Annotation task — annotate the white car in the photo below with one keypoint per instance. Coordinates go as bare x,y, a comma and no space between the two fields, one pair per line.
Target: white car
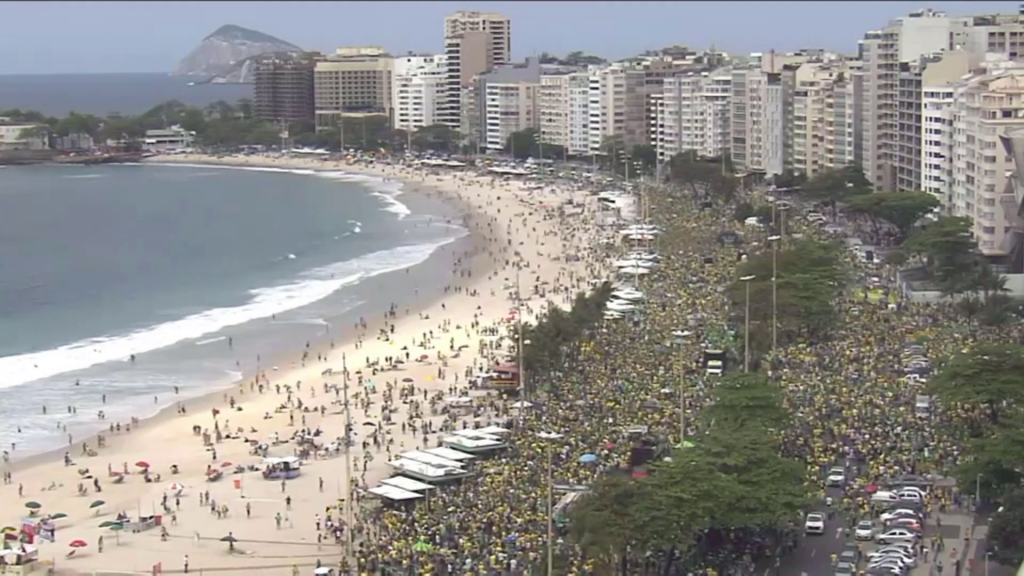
903,556
896,535
884,496
920,491
905,549
910,496
714,368
752,222
836,476
865,530
814,523
900,513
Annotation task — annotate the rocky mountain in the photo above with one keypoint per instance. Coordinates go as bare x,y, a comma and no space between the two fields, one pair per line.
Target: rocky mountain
223,56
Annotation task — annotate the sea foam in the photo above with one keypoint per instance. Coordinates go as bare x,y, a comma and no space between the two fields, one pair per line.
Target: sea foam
311,286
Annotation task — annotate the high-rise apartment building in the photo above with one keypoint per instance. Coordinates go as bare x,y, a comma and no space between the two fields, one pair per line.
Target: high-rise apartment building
352,81
564,121
695,111
757,117
417,86
474,43
283,89
617,106
987,107
498,27
505,100
820,130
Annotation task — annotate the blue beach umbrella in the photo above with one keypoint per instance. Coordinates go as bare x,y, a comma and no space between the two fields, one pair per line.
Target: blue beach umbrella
588,459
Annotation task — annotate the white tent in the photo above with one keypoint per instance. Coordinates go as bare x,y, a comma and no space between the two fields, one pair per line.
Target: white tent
449,454
406,484
431,459
394,494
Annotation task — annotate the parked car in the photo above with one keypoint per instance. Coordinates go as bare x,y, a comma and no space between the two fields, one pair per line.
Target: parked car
865,530
896,535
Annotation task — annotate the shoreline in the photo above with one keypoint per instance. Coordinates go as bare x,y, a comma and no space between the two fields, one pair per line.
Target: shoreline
512,228
287,360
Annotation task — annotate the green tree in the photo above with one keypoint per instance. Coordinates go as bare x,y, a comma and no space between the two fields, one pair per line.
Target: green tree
703,177
810,275
994,460
523,144
988,376
836,185
746,399
436,138
901,209
1006,532
646,155
949,252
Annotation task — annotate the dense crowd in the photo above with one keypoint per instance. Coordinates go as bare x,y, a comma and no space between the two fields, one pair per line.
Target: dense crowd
852,404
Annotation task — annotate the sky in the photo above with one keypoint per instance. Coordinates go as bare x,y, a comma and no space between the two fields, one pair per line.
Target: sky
111,37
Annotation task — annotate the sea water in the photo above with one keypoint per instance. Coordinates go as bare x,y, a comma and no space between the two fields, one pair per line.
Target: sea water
202,273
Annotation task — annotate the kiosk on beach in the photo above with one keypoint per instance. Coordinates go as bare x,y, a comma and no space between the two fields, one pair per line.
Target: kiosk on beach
426,472
474,445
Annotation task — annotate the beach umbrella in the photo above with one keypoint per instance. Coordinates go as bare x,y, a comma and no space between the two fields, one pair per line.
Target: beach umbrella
407,380
8,529
116,529
58,516
97,504
142,464
229,538
108,523
33,505
588,458
226,464
78,544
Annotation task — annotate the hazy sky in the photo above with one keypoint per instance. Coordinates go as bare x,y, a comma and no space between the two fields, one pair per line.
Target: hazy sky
91,37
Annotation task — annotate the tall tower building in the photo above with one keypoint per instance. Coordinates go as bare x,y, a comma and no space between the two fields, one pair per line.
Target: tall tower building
474,43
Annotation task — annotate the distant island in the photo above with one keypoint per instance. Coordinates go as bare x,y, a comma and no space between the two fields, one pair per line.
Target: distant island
229,55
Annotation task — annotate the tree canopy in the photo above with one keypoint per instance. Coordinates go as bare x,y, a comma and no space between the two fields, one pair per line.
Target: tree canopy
836,185
810,275
988,376
733,477
901,209
704,177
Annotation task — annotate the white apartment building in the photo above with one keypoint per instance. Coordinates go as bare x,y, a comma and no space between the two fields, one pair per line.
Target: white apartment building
563,111
938,91
616,106
509,107
986,107
417,86
822,133
757,121
695,115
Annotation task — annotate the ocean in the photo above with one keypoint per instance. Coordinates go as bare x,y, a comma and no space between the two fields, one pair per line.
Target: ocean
101,94
203,273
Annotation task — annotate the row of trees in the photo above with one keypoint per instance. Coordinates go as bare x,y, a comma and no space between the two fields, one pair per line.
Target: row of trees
984,388
225,125
557,333
733,480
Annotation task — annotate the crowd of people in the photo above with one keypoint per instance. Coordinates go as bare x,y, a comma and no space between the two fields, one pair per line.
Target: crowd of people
852,405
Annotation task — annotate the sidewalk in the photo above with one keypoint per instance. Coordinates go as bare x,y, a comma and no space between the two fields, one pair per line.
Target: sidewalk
956,526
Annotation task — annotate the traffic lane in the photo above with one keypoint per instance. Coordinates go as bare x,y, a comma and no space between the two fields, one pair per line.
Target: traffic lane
813,553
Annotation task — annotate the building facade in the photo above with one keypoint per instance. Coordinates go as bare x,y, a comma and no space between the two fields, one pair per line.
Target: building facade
986,108
417,87
616,106
16,135
820,134
283,89
757,120
352,81
695,114
474,42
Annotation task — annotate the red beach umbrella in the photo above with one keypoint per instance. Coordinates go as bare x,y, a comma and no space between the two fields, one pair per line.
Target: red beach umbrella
142,464
78,544
226,464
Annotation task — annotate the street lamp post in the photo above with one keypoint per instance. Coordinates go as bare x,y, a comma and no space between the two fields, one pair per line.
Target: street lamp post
746,325
679,339
775,289
550,436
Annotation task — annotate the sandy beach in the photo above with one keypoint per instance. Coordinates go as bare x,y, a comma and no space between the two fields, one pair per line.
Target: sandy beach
393,407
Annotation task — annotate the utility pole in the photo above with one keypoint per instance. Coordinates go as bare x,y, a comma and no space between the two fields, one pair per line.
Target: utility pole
746,325
523,393
364,133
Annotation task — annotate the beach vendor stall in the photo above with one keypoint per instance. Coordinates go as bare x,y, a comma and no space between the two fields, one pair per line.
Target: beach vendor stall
17,559
281,468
